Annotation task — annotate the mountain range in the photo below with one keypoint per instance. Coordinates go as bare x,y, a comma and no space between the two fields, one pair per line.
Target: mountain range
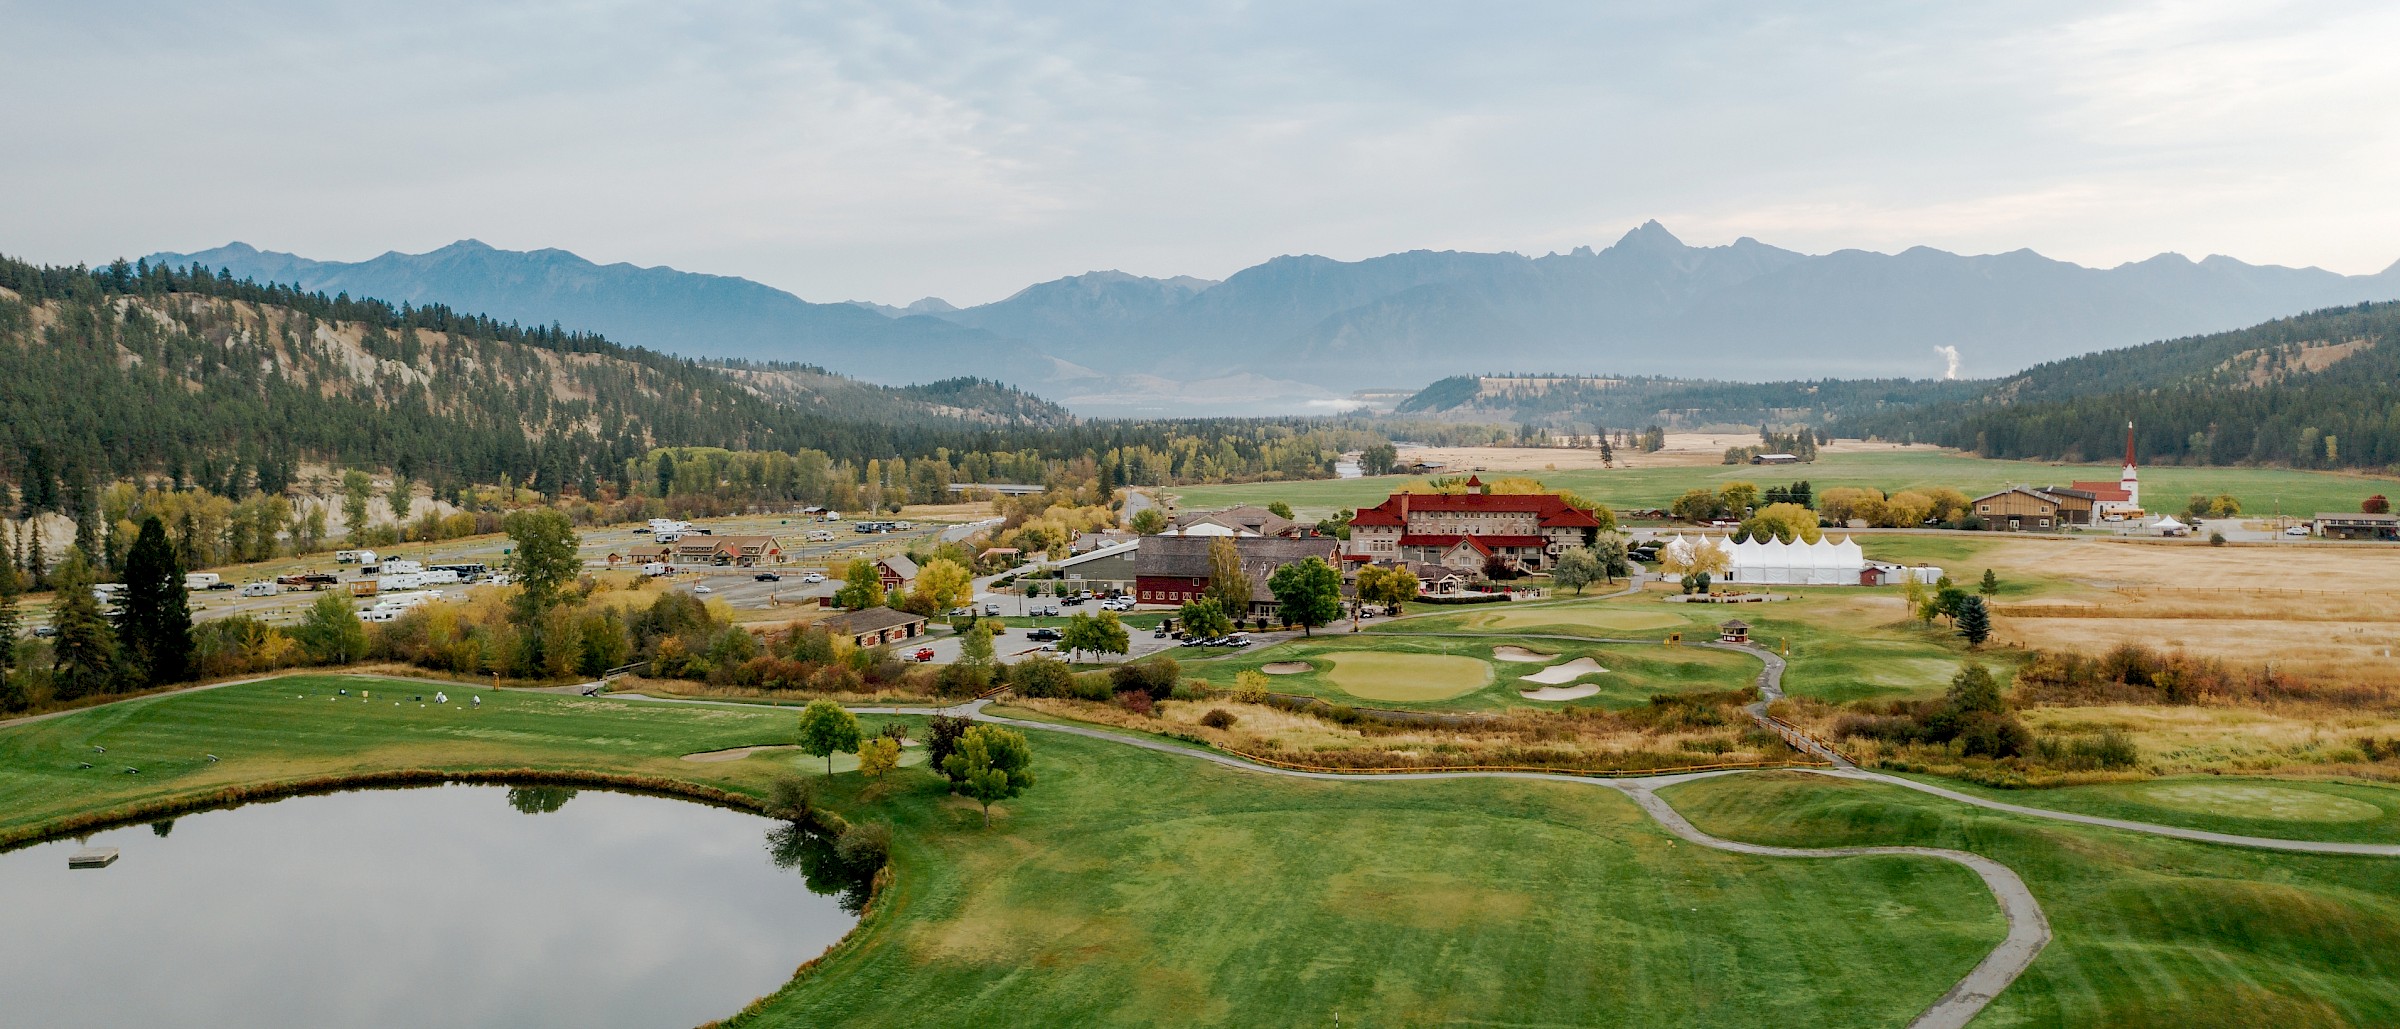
1298,332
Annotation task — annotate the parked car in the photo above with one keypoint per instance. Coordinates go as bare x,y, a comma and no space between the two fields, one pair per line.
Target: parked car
702,589
813,577
768,577
923,654
991,610
44,632
1119,604
1041,635
1074,601
2297,530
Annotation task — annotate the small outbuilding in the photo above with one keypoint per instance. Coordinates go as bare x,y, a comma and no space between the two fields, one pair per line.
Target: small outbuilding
1734,630
876,626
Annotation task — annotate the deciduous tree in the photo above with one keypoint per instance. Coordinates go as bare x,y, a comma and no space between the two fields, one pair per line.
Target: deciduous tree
862,587
1308,593
826,730
992,764
1202,618
542,558
1228,583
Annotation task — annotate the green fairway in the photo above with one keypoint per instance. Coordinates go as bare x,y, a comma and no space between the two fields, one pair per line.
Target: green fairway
1840,643
2148,931
1471,678
2310,809
1386,676
2261,490
1132,888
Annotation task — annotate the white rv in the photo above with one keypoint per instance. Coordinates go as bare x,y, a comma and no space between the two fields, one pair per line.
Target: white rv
200,580
354,557
260,589
401,566
655,569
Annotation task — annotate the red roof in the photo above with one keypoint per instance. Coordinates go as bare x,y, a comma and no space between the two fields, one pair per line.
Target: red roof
1443,539
1553,511
2103,491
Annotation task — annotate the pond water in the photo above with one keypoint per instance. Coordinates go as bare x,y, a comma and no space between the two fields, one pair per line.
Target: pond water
441,906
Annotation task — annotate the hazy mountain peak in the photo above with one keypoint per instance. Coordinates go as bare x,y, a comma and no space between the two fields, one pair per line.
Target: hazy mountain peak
1650,236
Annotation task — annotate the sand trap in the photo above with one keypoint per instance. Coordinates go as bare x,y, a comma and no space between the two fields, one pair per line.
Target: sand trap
1560,692
1568,672
1287,668
1521,654
736,754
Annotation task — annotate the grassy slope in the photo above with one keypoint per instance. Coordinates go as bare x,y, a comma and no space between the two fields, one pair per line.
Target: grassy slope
2149,932
1634,672
2127,800
2300,492
1134,888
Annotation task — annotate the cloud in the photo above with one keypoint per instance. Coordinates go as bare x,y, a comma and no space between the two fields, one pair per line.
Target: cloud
899,149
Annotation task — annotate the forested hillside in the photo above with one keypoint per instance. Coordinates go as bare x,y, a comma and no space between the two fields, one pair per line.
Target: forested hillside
184,377
1582,403
2318,390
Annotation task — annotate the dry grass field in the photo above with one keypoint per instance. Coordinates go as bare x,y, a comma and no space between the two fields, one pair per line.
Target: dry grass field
1683,450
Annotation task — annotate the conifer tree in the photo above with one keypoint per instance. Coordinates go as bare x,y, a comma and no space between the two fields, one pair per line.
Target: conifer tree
155,624
84,653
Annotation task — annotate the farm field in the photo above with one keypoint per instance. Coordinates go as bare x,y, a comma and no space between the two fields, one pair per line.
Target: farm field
2147,931
1108,894
1396,671
2262,491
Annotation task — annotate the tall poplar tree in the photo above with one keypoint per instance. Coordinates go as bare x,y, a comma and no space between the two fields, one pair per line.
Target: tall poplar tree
155,624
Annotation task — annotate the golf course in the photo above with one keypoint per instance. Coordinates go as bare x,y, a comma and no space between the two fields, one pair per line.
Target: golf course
1137,886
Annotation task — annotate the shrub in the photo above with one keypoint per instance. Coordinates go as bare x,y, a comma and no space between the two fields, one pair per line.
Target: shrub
1250,686
789,798
864,844
1042,677
1155,675
1218,718
1136,701
1995,736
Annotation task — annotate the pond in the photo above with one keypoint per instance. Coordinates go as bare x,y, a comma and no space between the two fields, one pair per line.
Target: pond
439,906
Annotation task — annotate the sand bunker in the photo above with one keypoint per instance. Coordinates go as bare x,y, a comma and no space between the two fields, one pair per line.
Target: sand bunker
736,754
1286,668
1560,692
1568,672
1521,654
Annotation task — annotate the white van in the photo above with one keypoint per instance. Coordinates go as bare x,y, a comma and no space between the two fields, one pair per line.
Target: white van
260,589
200,580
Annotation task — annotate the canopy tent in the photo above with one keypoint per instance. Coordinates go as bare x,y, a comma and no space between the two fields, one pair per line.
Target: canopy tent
2166,525
1773,562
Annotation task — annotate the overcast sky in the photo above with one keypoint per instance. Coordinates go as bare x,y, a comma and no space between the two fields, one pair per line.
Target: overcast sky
893,149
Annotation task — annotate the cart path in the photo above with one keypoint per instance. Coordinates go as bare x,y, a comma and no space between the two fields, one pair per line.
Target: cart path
2028,930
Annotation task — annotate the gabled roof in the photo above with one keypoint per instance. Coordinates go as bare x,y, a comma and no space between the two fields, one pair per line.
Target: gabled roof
1552,510
900,565
1186,557
873,619
2105,492
1446,540
2027,490
1247,517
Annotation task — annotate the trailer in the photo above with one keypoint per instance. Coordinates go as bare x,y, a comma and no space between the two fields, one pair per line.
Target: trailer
201,580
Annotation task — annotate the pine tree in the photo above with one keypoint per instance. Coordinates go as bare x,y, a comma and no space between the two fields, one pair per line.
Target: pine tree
84,653
12,693
155,624
1990,586
1974,621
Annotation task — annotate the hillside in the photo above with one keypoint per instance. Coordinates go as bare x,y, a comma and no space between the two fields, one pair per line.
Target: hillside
1307,329
1583,403
2318,390
126,372
678,312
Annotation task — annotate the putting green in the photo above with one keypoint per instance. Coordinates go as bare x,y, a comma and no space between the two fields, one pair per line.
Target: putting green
2238,800
1381,675
1616,618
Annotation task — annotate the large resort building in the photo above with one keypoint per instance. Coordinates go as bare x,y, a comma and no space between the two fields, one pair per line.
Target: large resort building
1465,530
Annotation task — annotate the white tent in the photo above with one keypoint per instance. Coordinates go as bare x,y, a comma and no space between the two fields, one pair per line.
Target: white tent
2166,525
1773,562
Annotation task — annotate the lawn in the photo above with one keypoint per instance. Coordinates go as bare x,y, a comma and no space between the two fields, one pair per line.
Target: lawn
2312,809
1132,888
1422,672
2261,490
1840,643
2148,931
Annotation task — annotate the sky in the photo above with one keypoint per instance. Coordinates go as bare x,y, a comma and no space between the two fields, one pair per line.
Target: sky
896,149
